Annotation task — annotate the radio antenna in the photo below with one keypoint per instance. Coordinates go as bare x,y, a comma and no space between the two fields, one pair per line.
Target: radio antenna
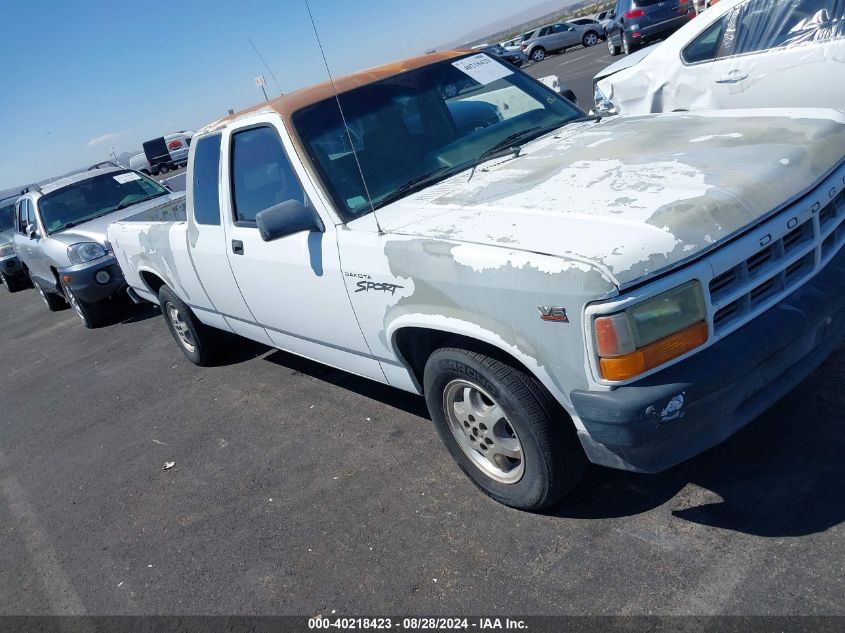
343,118
261,57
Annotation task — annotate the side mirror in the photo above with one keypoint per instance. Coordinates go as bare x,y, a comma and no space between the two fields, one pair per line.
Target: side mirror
287,218
31,231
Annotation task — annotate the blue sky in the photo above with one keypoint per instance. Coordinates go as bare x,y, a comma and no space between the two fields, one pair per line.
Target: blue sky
78,76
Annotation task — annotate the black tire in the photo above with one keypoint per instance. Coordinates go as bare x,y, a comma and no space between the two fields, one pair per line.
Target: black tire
15,282
551,455
199,344
538,54
55,302
592,37
612,48
92,315
628,46
163,169
8,282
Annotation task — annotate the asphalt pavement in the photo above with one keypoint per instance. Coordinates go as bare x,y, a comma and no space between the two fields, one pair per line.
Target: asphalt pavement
575,68
299,489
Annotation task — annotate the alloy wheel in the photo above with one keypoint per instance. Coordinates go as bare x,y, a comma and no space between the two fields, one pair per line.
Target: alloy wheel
183,333
483,432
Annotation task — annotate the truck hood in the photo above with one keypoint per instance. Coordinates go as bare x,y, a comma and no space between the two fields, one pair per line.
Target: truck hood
95,230
626,62
633,196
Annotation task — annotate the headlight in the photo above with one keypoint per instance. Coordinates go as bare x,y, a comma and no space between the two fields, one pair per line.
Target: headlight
6,250
649,334
85,252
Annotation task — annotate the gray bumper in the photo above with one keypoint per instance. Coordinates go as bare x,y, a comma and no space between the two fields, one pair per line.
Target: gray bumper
675,414
82,279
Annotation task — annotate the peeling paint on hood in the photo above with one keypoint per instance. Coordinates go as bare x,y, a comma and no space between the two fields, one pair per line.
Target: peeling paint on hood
656,192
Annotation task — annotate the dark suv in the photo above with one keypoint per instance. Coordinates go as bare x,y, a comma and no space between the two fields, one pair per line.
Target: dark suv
635,22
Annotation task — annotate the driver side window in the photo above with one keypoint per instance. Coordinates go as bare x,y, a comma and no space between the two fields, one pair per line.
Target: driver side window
262,176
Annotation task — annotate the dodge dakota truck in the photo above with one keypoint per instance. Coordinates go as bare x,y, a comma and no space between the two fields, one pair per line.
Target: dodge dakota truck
627,291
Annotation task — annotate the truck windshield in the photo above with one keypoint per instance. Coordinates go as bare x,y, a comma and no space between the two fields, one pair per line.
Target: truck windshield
422,125
7,216
95,197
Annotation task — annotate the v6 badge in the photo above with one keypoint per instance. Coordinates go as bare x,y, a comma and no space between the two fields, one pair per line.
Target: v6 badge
553,313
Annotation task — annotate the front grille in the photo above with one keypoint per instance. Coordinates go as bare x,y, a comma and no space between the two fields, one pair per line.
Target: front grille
743,289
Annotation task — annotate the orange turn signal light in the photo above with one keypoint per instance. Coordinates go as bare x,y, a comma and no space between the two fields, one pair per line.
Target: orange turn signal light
654,354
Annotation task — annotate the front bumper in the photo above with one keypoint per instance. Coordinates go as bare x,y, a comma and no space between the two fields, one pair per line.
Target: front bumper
81,279
664,419
10,265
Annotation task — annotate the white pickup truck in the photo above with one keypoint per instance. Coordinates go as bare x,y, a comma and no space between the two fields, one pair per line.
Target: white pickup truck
628,291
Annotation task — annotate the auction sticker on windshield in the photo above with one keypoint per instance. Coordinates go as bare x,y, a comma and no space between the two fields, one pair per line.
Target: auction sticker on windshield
127,177
482,68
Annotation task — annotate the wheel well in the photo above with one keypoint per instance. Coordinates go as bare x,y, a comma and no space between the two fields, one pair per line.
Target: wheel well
56,277
152,281
416,344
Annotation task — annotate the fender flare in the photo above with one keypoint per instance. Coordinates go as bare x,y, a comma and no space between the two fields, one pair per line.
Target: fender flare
452,325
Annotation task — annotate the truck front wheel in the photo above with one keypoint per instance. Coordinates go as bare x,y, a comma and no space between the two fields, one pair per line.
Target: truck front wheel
194,338
502,429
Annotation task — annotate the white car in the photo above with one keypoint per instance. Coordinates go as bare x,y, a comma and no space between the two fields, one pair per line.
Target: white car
737,54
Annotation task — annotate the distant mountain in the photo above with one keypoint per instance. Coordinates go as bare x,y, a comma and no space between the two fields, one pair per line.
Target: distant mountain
546,11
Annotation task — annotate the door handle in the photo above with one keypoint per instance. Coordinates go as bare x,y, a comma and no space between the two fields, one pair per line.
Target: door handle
732,77
237,247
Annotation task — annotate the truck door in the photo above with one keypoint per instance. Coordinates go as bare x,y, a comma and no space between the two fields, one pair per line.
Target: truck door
293,285
207,238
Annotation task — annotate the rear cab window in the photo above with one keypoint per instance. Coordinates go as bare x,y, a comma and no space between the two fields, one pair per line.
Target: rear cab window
206,180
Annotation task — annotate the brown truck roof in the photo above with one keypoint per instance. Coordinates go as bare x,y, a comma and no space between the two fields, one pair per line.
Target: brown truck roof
287,104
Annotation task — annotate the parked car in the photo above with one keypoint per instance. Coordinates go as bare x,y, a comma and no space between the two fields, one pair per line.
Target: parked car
591,23
603,19
629,291
556,38
60,236
163,154
633,23
11,273
738,54
517,58
513,45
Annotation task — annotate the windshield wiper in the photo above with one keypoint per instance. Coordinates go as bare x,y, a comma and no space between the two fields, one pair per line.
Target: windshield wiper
422,181
69,225
123,205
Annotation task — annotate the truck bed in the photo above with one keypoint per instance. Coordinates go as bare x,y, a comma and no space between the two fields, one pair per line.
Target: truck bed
153,244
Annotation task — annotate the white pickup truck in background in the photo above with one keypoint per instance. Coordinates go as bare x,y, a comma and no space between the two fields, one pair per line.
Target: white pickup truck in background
628,291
